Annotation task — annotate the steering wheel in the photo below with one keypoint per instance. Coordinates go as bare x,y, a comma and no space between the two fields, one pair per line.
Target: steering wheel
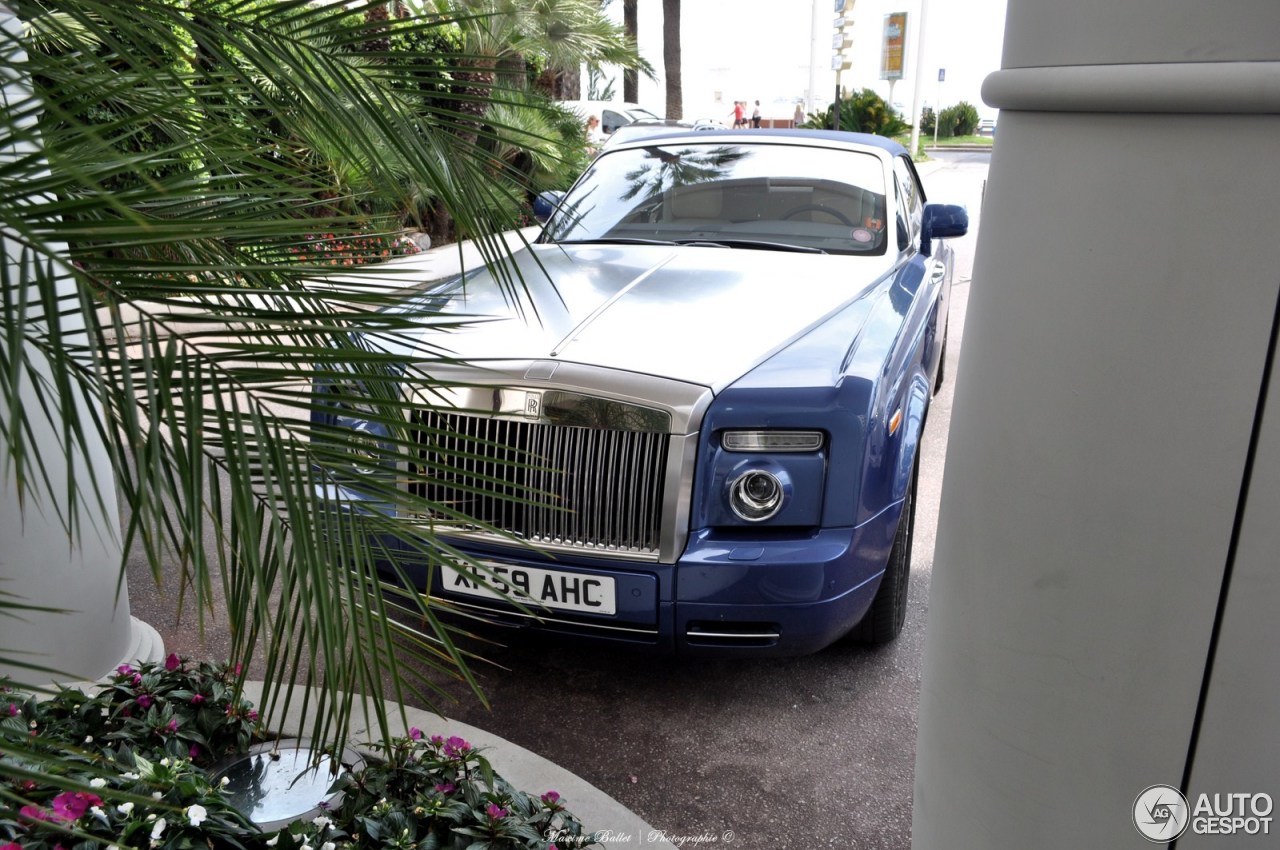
836,214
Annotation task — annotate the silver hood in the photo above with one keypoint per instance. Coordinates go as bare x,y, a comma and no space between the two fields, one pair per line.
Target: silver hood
702,315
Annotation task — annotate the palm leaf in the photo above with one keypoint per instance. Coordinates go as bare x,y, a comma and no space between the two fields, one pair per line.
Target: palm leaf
150,286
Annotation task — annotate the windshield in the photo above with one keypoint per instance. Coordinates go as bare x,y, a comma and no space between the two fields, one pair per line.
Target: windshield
786,197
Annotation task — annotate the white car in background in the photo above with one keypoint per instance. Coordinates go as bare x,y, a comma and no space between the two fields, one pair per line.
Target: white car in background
612,114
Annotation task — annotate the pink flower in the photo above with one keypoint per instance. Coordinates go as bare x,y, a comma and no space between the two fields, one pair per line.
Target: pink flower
13,710
551,798
252,715
34,813
495,811
145,701
71,805
446,787
173,725
197,699
415,734
11,846
137,680
437,741
124,670
455,747
173,662
194,752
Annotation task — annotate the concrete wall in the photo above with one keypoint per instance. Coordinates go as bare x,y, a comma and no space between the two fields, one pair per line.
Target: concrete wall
1097,500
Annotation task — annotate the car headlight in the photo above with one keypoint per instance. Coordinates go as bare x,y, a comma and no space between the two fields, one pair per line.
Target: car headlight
363,443
756,495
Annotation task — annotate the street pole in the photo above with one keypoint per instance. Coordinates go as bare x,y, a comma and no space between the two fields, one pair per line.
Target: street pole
915,97
941,73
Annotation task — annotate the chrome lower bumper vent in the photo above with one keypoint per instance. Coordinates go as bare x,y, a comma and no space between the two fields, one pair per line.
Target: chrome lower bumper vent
699,633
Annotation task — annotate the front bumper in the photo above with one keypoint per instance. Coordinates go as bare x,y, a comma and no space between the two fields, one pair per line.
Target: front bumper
782,596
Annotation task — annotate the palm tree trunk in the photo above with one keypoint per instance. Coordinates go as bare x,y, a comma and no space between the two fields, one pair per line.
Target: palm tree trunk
671,57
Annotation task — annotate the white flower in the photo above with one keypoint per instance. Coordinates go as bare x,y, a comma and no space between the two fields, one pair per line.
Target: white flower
88,739
156,795
321,821
105,712
328,845
97,782
130,775
164,762
124,808
158,830
224,781
97,812
196,814
306,847
271,842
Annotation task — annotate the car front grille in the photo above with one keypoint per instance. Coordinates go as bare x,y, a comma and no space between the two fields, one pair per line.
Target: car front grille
588,488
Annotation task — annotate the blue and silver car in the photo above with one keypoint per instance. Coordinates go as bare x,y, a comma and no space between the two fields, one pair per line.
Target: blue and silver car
698,429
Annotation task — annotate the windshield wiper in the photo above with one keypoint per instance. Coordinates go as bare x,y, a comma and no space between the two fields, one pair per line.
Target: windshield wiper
757,244
616,240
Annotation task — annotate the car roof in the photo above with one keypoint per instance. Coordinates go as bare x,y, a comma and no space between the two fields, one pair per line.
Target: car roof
868,139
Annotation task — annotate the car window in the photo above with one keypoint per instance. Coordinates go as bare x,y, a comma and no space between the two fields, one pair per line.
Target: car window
910,203
611,120
734,194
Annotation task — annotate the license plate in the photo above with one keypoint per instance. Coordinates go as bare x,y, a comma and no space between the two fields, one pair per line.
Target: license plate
536,587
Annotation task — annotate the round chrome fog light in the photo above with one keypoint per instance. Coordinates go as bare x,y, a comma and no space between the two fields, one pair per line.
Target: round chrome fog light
755,495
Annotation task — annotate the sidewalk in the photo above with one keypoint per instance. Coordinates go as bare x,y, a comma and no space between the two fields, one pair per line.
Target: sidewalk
435,263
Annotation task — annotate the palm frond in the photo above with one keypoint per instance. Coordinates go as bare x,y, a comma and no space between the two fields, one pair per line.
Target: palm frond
152,307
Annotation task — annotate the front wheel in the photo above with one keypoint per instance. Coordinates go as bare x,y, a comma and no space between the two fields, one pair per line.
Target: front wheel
888,611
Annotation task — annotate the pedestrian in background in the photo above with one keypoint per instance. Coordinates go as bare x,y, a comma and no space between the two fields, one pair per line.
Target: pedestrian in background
755,116
595,136
798,118
738,112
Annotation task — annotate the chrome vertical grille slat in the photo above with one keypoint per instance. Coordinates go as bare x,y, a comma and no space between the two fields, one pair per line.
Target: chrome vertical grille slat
594,489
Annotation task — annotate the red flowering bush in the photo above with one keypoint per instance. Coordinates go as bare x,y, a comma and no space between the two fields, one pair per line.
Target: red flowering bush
329,249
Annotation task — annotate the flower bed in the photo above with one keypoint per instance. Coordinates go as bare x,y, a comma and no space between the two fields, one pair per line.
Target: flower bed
126,766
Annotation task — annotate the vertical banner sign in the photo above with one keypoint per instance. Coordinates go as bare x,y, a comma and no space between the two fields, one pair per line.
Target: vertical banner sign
894,48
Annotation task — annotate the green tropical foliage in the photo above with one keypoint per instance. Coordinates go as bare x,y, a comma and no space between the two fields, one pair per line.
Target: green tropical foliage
167,168
861,112
958,120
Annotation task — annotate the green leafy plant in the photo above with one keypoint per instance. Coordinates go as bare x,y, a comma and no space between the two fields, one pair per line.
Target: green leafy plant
141,744
958,120
861,112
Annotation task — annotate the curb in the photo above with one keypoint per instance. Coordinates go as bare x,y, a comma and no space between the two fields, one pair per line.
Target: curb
528,771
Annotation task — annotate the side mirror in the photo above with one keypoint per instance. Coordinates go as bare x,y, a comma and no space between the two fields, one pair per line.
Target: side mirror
942,221
545,204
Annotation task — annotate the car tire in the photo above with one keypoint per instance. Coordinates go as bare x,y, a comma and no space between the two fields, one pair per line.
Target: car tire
884,619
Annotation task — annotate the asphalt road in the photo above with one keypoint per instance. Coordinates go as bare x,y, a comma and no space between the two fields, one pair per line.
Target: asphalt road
797,753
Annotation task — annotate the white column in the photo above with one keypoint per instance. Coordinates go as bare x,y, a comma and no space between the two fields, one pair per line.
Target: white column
1106,410
41,563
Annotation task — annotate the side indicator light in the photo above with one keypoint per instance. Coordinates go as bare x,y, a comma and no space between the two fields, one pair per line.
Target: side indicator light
894,421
